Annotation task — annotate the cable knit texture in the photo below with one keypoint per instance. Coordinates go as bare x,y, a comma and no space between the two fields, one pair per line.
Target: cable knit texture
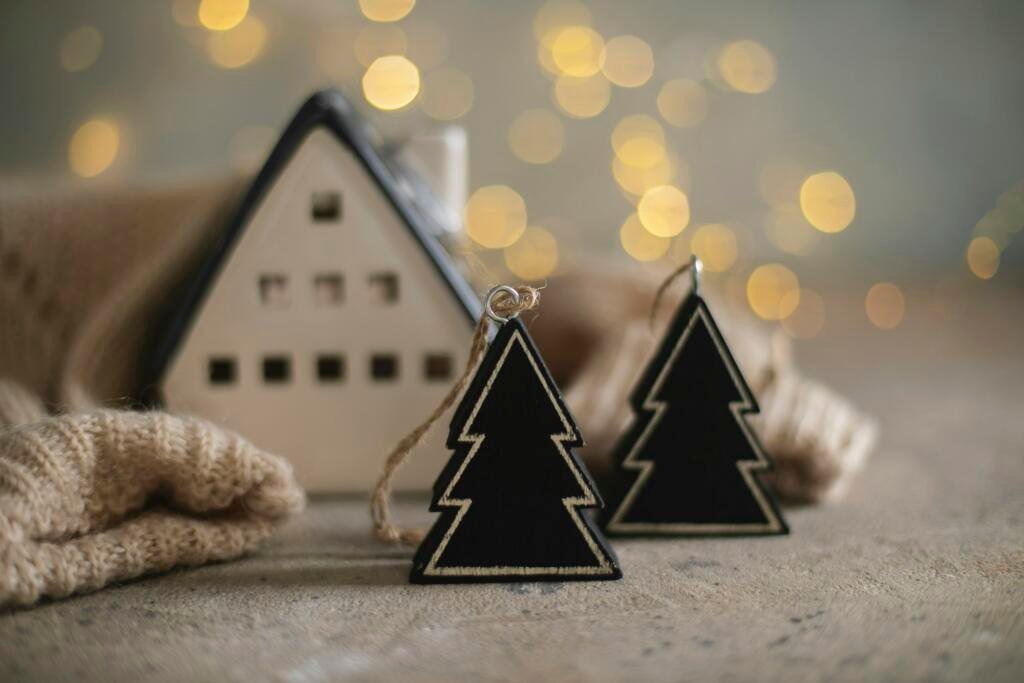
107,495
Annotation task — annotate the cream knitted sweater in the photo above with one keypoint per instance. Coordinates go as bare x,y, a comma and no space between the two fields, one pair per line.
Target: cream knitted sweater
98,495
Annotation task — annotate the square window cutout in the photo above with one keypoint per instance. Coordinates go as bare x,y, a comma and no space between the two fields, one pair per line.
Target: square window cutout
437,367
328,289
274,290
221,370
277,369
383,288
330,367
384,367
326,207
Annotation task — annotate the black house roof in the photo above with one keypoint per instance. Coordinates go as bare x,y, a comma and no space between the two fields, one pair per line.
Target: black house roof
330,109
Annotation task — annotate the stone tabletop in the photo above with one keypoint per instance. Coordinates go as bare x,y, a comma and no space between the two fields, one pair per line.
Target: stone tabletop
918,573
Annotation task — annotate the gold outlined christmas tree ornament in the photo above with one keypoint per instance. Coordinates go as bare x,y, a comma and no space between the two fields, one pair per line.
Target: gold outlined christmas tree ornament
514,498
688,464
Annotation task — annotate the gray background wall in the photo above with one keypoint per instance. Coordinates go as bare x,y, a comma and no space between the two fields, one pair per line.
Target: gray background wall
918,104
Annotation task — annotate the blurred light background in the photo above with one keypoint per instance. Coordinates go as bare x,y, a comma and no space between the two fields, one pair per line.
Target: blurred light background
872,148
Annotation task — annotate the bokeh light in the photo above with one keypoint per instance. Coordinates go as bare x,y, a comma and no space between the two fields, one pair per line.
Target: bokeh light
983,257
239,46
641,244
556,16
93,147
577,51
716,246
808,316
636,181
639,141
386,10
664,210
536,136
767,290
827,201
582,98
534,256
627,61
391,82
222,15
747,66
376,41
683,103
80,49
786,228
495,216
884,305
447,94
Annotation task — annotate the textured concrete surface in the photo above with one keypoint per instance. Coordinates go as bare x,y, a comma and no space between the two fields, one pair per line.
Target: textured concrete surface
917,574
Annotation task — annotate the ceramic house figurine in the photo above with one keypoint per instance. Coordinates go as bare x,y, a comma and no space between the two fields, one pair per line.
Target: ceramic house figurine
327,320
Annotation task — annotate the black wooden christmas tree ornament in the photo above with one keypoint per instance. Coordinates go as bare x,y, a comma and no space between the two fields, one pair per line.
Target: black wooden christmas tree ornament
513,499
688,464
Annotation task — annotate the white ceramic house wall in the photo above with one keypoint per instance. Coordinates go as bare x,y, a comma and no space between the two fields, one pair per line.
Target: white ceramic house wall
328,332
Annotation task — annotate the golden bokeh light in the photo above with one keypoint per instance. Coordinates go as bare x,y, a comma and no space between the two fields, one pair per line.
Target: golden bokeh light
808,316
239,46
376,41
556,16
827,201
664,210
636,181
495,216
639,141
582,98
885,305
447,94
80,49
747,66
546,61
534,256
627,61
639,243
537,136
386,10
998,225
767,290
786,228
250,146
391,82
716,246
983,257
93,147
577,51
778,182
683,103
222,15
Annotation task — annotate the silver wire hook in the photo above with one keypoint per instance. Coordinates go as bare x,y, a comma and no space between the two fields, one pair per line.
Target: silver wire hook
696,267
490,300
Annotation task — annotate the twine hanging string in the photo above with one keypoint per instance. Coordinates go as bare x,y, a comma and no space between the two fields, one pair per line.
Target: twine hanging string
502,304
694,267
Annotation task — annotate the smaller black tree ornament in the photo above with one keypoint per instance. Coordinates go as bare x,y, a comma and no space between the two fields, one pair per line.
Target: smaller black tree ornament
689,462
514,497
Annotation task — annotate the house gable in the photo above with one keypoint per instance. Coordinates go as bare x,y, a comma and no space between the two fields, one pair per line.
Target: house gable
332,322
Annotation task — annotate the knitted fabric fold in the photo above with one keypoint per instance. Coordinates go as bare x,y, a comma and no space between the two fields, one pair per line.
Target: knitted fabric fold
101,496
